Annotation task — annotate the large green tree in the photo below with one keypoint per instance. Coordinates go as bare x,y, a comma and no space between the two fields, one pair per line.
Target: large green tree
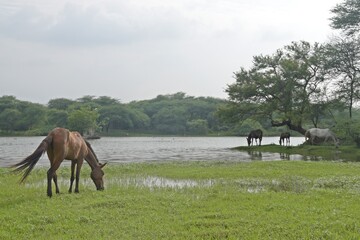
343,62
343,53
120,116
181,114
346,17
9,118
57,118
60,103
16,115
282,86
83,120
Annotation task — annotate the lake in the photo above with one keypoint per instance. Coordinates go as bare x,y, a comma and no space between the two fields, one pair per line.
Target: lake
146,149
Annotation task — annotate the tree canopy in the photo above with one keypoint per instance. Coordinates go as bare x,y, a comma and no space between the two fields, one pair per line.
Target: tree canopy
165,114
302,84
346,17
282,87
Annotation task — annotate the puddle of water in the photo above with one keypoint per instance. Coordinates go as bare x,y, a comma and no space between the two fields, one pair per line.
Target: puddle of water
147,181
160,182
258,189
252,186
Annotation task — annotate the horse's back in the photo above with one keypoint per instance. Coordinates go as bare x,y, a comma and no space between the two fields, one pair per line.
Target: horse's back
256,133
285,135
70,145
60,135
77,147
320,132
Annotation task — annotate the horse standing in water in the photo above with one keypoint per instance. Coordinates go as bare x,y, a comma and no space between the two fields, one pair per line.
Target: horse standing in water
284,136
316,134
62,144
254,134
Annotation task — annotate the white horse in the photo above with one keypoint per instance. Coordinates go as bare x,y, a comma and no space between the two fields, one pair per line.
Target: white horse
319,133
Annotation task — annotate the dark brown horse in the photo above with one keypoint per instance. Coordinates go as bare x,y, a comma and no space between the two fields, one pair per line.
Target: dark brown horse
254,134
62,144
284,136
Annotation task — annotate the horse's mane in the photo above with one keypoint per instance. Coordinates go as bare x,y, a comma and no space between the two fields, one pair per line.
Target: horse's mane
91,150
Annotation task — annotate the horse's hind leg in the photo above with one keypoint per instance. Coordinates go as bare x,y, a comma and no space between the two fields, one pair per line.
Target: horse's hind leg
56,183
72,177
49,177
51,173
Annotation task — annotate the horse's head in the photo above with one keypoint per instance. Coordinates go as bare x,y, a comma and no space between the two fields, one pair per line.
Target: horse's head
97,177
307,135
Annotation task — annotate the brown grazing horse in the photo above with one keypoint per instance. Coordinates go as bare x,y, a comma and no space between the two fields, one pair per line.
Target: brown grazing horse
284,136
62,144
254,134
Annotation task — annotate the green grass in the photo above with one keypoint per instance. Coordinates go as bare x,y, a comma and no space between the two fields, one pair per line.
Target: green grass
189,200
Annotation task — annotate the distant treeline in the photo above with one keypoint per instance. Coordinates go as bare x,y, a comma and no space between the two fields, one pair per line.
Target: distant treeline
176,114
172,114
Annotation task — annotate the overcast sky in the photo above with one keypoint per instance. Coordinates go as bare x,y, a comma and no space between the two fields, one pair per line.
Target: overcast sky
138,49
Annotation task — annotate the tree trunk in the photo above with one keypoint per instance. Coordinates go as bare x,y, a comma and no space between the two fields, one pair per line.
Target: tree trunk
297,128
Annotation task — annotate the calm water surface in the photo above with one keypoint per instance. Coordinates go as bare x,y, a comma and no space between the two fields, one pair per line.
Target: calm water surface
144,149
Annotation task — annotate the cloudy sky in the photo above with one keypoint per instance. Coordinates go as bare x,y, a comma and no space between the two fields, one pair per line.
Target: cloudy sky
138,49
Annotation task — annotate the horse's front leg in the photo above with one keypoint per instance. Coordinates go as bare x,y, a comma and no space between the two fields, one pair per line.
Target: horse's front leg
78,168
312,140
72,177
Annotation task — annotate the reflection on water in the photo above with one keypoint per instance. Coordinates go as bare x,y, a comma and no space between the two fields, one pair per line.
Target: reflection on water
255,155
145,149
267,156
285,156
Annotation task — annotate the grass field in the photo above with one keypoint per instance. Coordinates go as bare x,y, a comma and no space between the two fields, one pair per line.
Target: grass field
189,200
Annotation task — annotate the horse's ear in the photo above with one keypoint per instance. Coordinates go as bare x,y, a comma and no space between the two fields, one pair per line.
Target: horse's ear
102,165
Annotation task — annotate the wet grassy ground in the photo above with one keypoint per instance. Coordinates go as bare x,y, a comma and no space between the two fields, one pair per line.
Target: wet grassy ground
189,200
311,152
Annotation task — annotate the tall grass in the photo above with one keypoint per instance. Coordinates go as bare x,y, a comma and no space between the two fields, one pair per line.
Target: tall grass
189,200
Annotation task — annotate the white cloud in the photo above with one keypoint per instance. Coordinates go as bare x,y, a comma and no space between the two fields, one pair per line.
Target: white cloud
141,48
77,24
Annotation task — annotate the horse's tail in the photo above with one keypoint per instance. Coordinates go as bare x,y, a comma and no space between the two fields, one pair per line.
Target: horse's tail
29,162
